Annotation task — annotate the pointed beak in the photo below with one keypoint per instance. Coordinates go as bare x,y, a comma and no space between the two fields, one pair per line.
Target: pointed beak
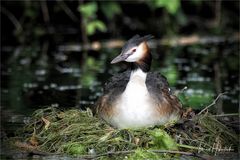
119,58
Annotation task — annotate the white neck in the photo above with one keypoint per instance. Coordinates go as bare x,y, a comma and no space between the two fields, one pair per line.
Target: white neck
138,73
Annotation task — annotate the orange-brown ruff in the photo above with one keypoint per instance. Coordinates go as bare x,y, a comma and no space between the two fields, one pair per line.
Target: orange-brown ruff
137,97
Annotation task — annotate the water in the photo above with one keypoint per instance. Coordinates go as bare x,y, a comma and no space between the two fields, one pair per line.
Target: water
32,79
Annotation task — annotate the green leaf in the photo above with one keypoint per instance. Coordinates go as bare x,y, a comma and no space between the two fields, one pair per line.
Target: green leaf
88,10
173,7
89,75
88,79
101,26
95,25
110,9
170,5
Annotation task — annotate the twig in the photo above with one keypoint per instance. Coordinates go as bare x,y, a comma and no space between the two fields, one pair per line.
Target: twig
226,115
189,147
132,151
176,93
36,152
213,103
179,152
40,153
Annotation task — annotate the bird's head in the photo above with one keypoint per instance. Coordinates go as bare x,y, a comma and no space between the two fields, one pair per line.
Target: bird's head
136,49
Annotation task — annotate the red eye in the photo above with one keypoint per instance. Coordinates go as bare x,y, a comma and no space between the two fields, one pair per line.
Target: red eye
134,50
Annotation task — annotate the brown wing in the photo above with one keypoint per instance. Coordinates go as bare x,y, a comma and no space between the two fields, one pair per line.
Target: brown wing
159,89
104,107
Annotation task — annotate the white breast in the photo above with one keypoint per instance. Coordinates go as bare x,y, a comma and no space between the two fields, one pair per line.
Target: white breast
135,107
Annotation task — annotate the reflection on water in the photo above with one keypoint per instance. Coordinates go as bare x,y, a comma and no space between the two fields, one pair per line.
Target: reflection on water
31,80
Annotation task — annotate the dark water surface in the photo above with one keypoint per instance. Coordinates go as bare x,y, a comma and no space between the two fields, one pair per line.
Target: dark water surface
33,79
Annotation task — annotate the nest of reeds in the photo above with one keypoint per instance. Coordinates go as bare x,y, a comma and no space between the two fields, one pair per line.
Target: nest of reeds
79,133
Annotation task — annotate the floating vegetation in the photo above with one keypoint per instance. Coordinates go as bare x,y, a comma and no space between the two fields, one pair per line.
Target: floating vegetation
79,133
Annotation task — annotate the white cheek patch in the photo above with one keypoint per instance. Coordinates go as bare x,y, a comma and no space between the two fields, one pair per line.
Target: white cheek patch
135,56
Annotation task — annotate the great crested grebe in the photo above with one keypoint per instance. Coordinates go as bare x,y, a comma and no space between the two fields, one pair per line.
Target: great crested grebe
137,97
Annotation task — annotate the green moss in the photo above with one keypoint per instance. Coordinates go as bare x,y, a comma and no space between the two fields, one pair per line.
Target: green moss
142,154
74,148
162,140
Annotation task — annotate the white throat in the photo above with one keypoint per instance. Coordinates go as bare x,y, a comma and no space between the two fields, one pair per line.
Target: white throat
136,87
138,74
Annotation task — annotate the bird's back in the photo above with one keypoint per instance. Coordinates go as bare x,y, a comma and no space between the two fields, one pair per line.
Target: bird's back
157,83
167,102
117,83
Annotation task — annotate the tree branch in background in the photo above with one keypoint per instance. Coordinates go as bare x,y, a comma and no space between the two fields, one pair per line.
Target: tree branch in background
45,12
218,7
68,11
83,27
13,19
175,41
218,85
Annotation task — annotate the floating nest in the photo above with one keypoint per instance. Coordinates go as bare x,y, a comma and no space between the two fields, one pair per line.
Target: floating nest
80,134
